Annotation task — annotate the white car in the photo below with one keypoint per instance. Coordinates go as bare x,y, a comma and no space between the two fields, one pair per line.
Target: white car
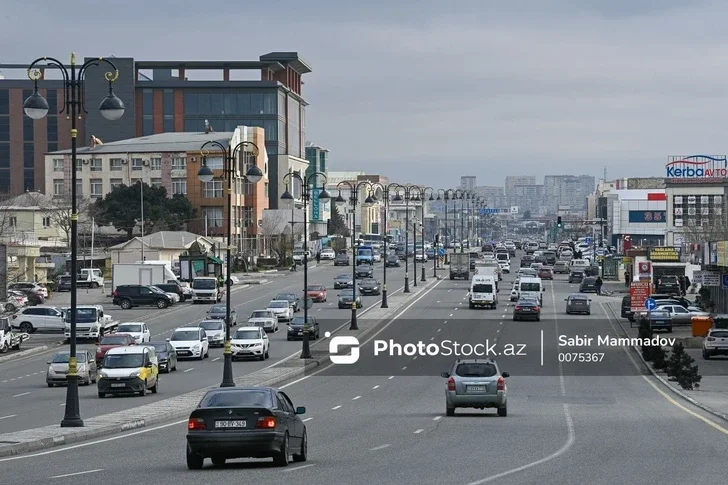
281,309
514,294
265,319
234,280
377,256
715,343
215,331
420,256
138,331
328,254
250,342
505,266
190,342
172,296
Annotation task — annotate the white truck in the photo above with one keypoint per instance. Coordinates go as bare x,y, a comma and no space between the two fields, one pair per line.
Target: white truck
8,339
483,291
91,322
140,274
90,277
206,289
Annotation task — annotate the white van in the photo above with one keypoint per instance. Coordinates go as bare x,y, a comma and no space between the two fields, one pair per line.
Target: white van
576,264
502,257
489,269
531,287
483,292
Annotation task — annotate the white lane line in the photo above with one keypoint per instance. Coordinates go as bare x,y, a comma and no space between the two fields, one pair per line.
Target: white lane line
215,359
355,398
432,338
438,301
437,418
419,431
335,407
297,468
414,358
307,419
439,330
319,309
191,368
8,416
449,290
78,473
21,394
503,316
404,368
62,404
380,447
445,321
451,314
391,377
376,387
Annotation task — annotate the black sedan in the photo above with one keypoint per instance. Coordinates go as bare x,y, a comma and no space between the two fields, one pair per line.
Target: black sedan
342,259
343,281
526,310
238,422
370,286
296,327
219,312
364,271
291,298
588,284
392,261
166,355
576,276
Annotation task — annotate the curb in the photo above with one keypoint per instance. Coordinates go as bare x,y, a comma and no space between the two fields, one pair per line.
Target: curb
664,381
88,433
24,353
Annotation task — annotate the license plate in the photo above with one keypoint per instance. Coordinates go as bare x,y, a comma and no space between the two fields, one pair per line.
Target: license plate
300,333
118,385
477,388
184,352
230,424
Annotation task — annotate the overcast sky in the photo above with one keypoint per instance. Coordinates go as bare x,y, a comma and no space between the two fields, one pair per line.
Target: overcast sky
427,91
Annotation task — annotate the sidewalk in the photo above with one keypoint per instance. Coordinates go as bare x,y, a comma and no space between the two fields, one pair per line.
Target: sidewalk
712,395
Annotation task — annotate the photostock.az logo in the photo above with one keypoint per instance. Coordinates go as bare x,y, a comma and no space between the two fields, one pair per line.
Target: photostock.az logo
343,341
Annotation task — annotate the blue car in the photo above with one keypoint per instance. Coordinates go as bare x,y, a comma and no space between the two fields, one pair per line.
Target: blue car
659,320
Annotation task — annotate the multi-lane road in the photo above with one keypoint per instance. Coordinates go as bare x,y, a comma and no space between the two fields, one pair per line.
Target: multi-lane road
27,402
384,421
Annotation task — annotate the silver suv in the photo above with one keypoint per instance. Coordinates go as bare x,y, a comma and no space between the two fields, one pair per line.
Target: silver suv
476,383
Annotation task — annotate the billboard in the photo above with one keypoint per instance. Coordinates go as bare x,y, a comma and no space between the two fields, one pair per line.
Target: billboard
696,167
638,293
641,217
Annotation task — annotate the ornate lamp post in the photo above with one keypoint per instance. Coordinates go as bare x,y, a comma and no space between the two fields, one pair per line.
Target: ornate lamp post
424,193
385,189
306,195
36,107
232,167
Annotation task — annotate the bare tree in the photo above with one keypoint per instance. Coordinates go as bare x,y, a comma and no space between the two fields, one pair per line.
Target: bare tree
7,221
276,231
59,211
713,230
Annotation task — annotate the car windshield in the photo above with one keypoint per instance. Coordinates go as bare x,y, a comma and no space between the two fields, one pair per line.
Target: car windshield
83,315
299,320
247,335
156,289
476,369
589,280
369,282
719,333
218,309
184,335
126,328
347,293
238,398
285,296
530,286
483,288
123,361
62,357
278,304
364,267
315,288
261,314
114,340
206,284
211,325
343,277
160,347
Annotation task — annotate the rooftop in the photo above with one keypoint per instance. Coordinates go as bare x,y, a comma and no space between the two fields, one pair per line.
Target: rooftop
160,143
167,240
30,201
333,178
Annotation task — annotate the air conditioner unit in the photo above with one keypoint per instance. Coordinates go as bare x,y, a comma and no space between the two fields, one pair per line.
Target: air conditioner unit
125,162
145,163
193,159
85,161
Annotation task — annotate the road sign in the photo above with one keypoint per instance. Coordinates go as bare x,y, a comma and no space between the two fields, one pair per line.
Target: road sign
711,278
650,304
724,279
639,292
644,270
442,251
588,241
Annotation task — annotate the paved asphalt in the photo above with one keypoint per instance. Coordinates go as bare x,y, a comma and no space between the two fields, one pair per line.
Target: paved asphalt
377,423
27,402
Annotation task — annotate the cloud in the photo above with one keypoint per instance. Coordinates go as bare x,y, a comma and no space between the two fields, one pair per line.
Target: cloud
412,87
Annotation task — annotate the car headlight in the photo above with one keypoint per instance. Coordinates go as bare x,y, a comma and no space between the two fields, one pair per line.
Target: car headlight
103,375
289,327
134,374
197,346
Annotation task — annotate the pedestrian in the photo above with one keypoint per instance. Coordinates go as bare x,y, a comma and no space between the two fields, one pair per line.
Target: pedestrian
318,257
627,278
598,284
687,285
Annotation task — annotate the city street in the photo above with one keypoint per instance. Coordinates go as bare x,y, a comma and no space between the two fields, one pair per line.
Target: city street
28,403
384,422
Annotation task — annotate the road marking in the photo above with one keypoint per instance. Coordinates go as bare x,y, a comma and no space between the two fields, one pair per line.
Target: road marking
22,394
404,368
216,359
335,407
380,447
437,418
451,314
438,301
391,377
445,321
78,473
191,368
376,387
449,290
297,468
62,404
432,338
419,431
439,330
503,316
307,419
8,416
355,398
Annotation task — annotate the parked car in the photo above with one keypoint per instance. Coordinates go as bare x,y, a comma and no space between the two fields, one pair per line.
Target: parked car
578,303
317,293
681,315
659,320
129,296
27,286
342,259
627,308
175,288
86,368
476,383
668,284
715,343
44,319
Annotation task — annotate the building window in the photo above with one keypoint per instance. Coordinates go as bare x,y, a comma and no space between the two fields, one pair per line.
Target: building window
137,164
4,179
179,163
79,188
155,164
190,104
147,125
46,221
115,164
52,147
212,190
215,163
192,125
115,183
147,102
13,221
4,102
79,164
247,216
213,216
96,165
168,102
29,179
58,164
179,186
5,128
231,104
156,182
52,98
97,188
28,155
168,124
52,126
203,104
217,105
59,187
266,189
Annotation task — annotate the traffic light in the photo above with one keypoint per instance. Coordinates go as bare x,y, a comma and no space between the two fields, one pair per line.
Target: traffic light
558,221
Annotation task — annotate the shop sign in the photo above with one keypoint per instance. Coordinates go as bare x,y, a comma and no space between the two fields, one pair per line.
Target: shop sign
664,254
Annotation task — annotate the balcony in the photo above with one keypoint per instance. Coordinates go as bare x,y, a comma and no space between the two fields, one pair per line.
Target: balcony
30,238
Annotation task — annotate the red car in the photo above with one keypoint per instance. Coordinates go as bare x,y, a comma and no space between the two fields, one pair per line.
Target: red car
546,273
111,341
316,292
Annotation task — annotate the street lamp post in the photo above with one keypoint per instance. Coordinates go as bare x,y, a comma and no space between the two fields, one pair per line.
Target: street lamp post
424,193
306,194
354,188
36,107
232,167
460,194
385,195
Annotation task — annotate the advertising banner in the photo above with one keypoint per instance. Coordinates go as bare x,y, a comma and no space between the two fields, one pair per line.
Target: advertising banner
638,293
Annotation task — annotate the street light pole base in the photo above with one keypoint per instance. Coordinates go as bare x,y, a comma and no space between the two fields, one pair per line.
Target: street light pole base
384,299
423,274
406,284
353,325
72,417
306,351
227,371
